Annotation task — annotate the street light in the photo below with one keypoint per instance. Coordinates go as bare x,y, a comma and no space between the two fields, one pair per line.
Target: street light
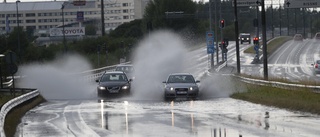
18,27
64,36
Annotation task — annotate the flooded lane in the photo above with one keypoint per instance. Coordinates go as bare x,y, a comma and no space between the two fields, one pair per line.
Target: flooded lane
223,117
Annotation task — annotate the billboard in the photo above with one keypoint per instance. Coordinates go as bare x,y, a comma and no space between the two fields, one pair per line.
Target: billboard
79,2
68,31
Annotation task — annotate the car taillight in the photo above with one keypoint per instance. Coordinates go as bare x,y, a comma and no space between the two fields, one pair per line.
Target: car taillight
316,66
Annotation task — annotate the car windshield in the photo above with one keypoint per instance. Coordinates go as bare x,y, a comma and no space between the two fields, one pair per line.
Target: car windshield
318,62
113,77
245,36
181,79
127,69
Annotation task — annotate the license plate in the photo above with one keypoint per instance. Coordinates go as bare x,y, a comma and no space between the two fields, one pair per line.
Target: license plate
181,92
113,91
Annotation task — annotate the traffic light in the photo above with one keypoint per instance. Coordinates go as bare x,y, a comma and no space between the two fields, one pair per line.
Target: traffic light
222,22
255,40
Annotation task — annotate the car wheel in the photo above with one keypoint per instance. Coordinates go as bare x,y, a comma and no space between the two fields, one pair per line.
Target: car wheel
99,93
168,98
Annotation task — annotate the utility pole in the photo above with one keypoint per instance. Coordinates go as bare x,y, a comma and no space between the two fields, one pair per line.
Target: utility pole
19,50
304,22
210,25
237,35
221,36
264,40
280,15
288,23
102,19
64,35
216,29
272,19
257,15
295,20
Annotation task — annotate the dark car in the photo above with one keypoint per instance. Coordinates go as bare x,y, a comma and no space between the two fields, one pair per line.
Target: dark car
316,67
112,83
181,85
245,37
128,69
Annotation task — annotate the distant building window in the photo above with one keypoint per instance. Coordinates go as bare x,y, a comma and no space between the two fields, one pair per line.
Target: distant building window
30,21
124,4
125,17
30,14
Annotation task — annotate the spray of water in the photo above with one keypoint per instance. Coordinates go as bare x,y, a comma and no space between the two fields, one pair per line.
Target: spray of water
158,55
217,86
53,79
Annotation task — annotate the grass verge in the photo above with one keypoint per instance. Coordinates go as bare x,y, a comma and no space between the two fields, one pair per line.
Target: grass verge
13,118
301,99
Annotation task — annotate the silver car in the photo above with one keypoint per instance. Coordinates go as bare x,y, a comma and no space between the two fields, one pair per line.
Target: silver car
316,67
181,85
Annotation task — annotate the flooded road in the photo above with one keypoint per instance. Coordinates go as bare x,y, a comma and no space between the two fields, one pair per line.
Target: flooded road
216,117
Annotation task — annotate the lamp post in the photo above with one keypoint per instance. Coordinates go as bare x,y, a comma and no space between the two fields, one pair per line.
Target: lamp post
63,33
18,27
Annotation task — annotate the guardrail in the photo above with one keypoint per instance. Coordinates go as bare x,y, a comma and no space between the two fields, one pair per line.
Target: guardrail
277,84
13,103
8,83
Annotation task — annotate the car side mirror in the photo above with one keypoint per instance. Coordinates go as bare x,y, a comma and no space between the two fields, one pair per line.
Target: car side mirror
164,82
130,80
97,80
198,81
312,64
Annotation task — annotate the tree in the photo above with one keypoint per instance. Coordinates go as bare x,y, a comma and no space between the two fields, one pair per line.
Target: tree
155,13
91,29
130,29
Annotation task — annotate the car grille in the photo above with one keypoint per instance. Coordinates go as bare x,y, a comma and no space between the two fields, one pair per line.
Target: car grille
113,89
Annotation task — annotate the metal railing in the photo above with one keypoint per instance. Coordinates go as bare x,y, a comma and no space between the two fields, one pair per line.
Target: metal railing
13,103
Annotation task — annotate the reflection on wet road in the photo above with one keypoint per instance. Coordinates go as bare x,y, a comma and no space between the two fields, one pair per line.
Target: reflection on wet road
220,117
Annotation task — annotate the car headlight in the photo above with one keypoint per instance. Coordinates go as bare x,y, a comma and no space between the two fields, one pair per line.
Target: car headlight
171,88
242,38
247,38
102,88
193,88
125,87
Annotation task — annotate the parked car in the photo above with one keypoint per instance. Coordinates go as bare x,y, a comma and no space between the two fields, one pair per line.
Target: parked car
180,85
317,36
128,69
245,37
115,82
316,67
298,37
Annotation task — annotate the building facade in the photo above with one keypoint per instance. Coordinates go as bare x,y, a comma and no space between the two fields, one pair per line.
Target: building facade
42,16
